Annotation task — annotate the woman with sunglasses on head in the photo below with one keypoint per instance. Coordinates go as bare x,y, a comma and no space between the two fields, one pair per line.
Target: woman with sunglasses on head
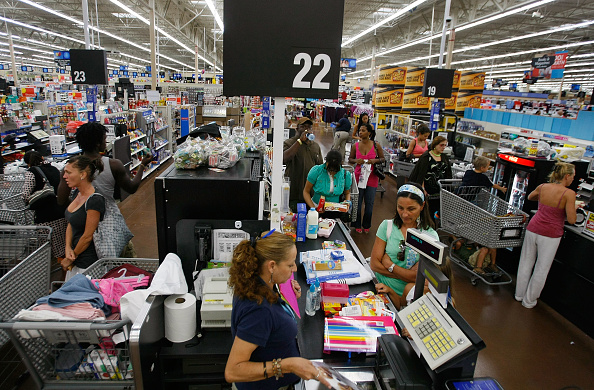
394,264
264,354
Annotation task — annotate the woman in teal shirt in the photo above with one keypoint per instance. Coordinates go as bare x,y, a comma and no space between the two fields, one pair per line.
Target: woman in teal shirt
329,179
394,264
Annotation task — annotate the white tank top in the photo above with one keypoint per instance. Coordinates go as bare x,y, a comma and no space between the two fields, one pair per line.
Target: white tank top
104,183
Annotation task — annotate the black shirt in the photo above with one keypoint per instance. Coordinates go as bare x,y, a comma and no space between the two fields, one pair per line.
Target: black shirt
475,179
77,221
343,125
49,210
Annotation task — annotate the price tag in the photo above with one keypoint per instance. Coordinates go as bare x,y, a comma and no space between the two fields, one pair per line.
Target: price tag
438,83
303,59
88,66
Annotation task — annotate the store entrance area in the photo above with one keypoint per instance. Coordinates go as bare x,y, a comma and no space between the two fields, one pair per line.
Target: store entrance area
526,348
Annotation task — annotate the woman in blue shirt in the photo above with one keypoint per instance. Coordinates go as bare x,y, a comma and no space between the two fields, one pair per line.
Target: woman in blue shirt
264,354
329,179
394,264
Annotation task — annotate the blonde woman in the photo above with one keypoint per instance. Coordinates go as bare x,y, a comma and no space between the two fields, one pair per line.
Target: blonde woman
556,203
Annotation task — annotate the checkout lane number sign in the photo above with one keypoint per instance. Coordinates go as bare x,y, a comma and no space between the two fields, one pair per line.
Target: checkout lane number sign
292,51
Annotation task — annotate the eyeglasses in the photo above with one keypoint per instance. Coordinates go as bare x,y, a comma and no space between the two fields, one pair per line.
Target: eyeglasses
400,255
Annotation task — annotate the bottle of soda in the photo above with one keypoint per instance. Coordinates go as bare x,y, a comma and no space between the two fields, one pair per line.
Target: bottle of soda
320,208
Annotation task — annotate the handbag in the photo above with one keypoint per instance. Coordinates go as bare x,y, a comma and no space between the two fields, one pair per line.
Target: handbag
112,233
42,197
378,168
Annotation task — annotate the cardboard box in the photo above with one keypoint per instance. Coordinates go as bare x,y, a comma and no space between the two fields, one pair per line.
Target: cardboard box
301,221
332,206
233,111
198,110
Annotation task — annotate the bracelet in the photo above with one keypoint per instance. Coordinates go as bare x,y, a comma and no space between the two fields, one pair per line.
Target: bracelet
299,140
265,371
277,369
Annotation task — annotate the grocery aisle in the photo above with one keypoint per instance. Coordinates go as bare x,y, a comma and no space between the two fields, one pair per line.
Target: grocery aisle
526,348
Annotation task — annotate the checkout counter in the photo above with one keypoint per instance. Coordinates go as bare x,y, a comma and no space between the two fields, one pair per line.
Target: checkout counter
200,362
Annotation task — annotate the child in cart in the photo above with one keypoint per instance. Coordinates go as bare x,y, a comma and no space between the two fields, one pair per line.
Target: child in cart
481,259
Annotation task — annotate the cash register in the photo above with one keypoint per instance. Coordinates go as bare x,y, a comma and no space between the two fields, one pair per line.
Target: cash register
443,345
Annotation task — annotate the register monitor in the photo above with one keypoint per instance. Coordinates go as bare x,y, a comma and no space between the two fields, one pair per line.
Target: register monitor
425,245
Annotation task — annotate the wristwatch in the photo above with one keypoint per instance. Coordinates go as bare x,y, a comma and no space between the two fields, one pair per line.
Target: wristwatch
391,268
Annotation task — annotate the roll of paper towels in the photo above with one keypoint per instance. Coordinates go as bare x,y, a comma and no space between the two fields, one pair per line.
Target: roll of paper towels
180,317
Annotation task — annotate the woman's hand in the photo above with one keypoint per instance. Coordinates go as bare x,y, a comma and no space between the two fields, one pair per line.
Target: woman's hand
67,262
405,333
304,369
383,289
296,288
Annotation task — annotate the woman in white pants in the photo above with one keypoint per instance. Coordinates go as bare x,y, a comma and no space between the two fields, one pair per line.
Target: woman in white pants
555,203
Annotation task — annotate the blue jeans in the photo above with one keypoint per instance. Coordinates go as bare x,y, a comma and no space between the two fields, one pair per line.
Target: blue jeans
367,195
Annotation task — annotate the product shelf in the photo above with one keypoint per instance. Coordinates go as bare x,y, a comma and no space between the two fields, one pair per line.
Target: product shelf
478,136
138,138
147,173
161,128
161,146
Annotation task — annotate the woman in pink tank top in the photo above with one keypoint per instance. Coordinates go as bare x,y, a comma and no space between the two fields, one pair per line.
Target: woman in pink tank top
544,232
419,145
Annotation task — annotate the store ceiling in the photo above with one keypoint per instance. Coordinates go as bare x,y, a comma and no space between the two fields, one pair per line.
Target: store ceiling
120,26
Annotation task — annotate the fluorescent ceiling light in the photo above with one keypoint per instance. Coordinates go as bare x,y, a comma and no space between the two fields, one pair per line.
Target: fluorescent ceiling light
162,32
496,65
541,50
51,11
459,28
213,10
375,26
123,15
41,30
503,15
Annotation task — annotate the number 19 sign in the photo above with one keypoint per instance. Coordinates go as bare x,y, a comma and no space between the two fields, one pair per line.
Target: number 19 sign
294,53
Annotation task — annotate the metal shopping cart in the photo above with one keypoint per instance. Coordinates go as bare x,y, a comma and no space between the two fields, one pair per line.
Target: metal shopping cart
13,210
25,255
477,215
78,354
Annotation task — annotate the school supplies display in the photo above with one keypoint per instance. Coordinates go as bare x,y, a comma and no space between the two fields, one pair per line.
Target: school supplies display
356,334
352,271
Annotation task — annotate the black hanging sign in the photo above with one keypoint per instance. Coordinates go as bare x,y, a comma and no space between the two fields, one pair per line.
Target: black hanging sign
279,48
88,66
438,83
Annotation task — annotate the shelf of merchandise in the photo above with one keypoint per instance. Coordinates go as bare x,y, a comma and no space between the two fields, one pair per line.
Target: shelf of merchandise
162,146
135,165
154,168
136,151
161,128
477,136
137,138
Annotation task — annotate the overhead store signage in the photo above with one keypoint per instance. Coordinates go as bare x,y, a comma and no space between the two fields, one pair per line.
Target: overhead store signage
295,53
348,64
516,160
88,66
438,83
62,58
549,66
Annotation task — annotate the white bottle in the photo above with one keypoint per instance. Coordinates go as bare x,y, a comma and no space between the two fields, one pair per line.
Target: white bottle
312,224
285,195
310,304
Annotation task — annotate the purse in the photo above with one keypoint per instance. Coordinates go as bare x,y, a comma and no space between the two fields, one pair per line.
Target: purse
112,233
378,168
42,197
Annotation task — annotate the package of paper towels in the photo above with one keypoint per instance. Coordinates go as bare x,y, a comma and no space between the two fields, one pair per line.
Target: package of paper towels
180,317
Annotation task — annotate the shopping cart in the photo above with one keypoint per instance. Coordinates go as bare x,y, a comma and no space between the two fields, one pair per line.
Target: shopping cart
14,211
25,255
78,354
11,184
477,215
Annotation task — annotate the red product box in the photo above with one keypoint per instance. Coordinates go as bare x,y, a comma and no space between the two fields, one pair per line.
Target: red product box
334,292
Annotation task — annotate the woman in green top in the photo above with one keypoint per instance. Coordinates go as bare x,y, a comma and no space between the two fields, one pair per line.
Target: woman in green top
329,179
394,264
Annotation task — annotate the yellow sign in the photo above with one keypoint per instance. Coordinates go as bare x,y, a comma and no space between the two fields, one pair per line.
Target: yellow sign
415,77
450,103
391,75
472,80
456,82
414,100
468,99
388,98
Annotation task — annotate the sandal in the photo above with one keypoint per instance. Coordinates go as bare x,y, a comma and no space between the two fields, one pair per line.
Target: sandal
479,271
492,268
366,231
359,230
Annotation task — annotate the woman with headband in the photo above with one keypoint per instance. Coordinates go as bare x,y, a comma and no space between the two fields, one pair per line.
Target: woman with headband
394,264
264,354
556,203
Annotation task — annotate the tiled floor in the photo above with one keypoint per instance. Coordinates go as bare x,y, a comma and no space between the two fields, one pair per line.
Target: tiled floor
526,348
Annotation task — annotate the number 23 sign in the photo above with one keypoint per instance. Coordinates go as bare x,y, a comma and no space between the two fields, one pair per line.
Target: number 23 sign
295,53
